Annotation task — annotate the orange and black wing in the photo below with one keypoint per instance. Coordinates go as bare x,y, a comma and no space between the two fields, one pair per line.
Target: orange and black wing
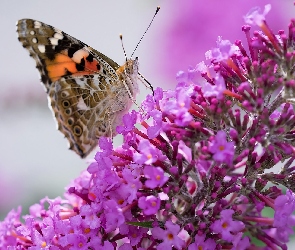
57,54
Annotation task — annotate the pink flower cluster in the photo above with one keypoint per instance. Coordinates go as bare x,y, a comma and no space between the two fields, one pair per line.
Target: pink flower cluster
195,174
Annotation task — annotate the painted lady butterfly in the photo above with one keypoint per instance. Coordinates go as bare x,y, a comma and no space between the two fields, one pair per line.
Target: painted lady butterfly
87,91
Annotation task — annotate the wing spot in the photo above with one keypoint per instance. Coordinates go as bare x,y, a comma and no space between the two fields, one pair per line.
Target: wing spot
64,94
66,104
37,25
89,58
41,48
32,32
79,55
77,130
34,40
82,105
81,66
70,121
73,49
53,40
68,111
58,36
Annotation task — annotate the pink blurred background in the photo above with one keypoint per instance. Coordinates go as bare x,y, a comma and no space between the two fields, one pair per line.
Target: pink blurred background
192,27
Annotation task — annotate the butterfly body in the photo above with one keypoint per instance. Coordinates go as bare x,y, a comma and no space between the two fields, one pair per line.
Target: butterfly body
87,91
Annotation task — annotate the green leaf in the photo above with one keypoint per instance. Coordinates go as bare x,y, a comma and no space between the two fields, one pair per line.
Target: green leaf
147,224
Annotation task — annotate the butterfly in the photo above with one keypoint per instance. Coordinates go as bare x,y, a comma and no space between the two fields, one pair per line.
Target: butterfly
88,92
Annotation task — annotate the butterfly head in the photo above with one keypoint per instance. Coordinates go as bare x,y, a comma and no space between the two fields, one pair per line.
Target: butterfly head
128,73
130,67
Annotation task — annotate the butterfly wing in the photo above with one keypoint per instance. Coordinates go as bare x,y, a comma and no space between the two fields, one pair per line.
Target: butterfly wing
57,54
83,107
84,90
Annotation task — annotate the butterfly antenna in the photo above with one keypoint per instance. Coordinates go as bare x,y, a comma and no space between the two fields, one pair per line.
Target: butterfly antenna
121,38
150,85
157,10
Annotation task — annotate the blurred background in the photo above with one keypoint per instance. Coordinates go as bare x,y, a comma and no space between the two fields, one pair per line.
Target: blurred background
34,159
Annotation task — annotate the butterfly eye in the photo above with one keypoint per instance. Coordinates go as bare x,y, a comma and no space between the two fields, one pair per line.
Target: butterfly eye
127,70
77,130
66,104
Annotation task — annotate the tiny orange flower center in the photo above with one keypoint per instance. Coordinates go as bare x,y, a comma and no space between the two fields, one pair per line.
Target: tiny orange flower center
170,236
43,244
80,244
120,202
149,156
134,235
221,147
158,177
154,203
224,225
181,104
86,230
